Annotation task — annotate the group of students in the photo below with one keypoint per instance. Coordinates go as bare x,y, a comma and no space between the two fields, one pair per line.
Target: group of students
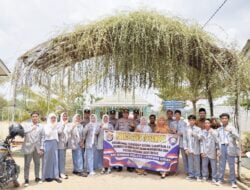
206,143
200,144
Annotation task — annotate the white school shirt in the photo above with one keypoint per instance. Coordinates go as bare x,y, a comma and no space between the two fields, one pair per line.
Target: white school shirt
50,133
225,136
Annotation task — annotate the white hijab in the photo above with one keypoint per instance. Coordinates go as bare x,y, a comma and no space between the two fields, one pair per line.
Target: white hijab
74,118
48,129
95,119
49,123
143,118
105,125
61,119
94,125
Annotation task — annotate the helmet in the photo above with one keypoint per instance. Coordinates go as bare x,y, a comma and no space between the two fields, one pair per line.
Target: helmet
16,130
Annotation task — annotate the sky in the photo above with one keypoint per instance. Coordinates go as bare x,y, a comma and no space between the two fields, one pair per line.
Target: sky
27,23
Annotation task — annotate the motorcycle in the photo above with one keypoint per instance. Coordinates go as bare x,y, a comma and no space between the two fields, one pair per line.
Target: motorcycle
9,170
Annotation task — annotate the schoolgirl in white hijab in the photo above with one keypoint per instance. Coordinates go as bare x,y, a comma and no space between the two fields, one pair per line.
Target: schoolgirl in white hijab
50,169
143,127
90,138
62,144
74,134
105,125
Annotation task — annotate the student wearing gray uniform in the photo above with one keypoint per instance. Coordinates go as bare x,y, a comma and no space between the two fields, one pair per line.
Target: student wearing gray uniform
31,147
74,140
209,147
90,143
105,126
50,170
228,137
191,144
179,127
62,144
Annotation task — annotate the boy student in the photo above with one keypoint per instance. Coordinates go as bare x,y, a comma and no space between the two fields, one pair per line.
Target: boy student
169,115
179,126
31,147
191,144
209,147
202,117
228,136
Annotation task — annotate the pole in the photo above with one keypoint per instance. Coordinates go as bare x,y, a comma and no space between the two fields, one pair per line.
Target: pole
14,94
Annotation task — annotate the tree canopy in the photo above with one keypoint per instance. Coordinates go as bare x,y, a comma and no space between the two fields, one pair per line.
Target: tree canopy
137,49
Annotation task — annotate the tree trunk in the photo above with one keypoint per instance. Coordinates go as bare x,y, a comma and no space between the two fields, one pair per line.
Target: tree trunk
194,106
236,123
210,101
209,97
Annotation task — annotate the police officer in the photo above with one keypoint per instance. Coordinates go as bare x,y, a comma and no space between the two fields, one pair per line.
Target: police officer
136,113
112,119
125,124
86,116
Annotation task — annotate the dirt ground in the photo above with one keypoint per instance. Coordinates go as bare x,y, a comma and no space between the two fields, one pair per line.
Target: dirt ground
115,180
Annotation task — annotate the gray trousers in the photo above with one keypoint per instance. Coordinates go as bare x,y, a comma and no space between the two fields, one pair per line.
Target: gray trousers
224,158
194,166
27,160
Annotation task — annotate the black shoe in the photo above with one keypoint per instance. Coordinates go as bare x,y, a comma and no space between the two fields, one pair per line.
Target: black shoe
38,180
48,180
58,180
82,174
26,183
119,169
130,169
76,173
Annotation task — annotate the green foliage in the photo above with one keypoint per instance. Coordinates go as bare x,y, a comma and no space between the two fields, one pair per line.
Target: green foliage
3,102
130,50
246,143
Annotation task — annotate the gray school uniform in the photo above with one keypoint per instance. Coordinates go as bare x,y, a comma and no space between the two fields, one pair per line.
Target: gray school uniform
229,138
228,152
32,138
88,132
73,139
100,136
180,126
31,146
209,143
62,136
169,121
191,141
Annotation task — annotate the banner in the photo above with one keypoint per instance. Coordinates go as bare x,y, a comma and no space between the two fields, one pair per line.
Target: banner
150,151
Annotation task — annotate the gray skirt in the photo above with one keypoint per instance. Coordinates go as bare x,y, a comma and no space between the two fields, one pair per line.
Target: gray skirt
50,160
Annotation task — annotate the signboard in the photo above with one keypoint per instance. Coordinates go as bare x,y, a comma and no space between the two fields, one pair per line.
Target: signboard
173,104
150,151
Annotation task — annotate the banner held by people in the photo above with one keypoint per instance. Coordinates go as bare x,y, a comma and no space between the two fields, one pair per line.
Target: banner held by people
156,152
